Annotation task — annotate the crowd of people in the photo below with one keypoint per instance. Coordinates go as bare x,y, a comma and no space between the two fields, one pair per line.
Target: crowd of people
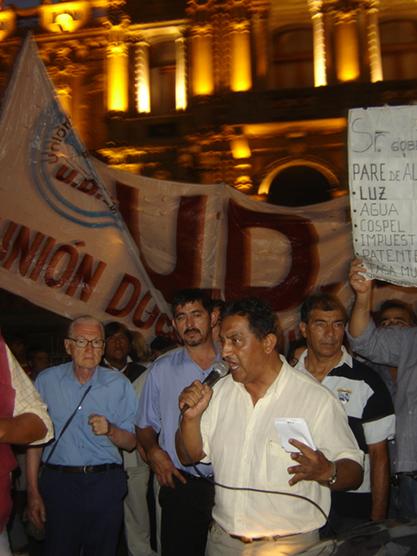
128,450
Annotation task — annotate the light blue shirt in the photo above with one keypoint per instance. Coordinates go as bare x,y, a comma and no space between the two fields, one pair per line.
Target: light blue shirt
111,395
158,404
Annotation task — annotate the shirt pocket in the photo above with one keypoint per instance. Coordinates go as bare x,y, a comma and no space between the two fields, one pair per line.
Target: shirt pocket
277,463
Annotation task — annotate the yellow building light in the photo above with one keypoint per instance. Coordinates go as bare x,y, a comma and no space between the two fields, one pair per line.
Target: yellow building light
7,23
180,75
64,17
240,148
64,96
117,75
347,50
65,21
240,79
143,94
202,64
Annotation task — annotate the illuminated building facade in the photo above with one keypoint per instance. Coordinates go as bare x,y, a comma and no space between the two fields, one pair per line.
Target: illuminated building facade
253,93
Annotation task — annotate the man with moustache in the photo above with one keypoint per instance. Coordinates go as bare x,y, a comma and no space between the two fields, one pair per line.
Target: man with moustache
79,498
186,499
366,401
275,501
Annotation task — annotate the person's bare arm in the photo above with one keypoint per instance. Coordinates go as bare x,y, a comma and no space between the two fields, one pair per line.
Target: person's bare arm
361,310
22,429
312,465
157,458
379,463
35,506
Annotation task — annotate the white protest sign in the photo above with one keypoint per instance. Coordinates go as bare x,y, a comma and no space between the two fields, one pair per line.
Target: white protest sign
383,191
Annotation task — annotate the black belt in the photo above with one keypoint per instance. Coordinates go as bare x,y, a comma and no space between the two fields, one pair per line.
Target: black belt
196,477
395,479
83,468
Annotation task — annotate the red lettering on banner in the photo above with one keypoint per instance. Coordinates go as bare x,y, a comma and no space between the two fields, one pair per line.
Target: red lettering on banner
22,246
135,287
70,176
85,276
7,237
125,300
163,327
66,175
56,277
138,316
88,186
304,264
29,248
49,245
189,240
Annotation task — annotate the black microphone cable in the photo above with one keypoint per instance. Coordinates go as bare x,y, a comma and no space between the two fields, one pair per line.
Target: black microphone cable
252,489
265,491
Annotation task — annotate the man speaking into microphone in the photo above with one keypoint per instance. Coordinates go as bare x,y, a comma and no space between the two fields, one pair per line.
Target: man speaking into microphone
278,492
185,497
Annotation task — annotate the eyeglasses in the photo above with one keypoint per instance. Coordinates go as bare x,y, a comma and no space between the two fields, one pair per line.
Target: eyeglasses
82,342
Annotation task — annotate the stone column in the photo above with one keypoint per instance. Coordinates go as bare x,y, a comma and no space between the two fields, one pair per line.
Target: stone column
202,82
180,74
347,46
117,74
240,71
260,35
142,89
374,44
319,43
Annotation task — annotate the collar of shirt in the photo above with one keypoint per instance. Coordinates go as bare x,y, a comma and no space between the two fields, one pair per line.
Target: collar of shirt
95,379
110,366
346,358
187,358
273,387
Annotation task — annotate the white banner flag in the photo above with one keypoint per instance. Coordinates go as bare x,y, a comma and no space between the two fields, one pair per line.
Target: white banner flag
62,234
78,237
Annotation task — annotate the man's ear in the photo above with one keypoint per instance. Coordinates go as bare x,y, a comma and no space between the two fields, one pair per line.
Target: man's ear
303,329
67,345
214,318
270,342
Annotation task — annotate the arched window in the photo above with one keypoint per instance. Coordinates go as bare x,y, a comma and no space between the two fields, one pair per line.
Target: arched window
292,58
399,49
297,186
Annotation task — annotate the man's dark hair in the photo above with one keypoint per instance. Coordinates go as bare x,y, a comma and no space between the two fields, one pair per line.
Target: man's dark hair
189,296
323,302
115,327
217,304
395,304
262,319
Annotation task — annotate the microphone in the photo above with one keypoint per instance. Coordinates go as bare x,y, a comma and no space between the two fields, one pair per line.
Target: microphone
219,370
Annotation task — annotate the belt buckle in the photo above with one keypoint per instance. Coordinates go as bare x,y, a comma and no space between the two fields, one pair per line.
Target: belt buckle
246,540
395,479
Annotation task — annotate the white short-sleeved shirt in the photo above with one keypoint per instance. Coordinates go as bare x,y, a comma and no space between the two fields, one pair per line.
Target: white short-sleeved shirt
27,399
243,445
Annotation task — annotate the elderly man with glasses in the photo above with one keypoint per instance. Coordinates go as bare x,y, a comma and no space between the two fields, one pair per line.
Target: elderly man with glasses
78,497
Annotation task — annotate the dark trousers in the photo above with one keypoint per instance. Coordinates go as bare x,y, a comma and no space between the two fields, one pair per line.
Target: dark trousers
84,512
186,516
